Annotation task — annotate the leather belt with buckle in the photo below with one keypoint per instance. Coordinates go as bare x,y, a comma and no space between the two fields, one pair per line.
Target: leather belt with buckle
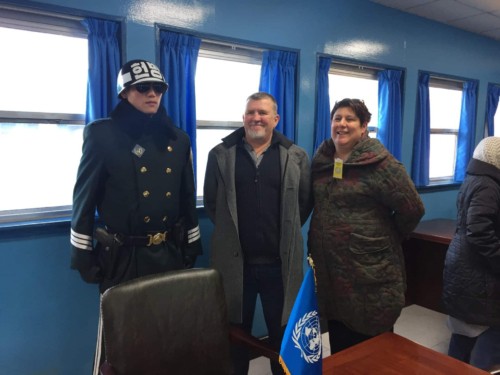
156,239
148,240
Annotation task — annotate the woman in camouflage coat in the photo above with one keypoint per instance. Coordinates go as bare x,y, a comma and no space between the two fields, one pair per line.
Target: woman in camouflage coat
364,206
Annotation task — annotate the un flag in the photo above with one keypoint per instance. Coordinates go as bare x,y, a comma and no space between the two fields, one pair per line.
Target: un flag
300,352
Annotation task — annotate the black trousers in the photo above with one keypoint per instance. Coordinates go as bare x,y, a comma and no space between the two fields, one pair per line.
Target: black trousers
131,262
264,280
342,337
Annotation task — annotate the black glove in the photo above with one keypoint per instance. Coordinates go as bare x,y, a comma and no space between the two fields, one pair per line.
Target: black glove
85,262
189,261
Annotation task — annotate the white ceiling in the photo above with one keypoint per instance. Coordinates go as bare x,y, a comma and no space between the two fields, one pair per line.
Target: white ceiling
477,16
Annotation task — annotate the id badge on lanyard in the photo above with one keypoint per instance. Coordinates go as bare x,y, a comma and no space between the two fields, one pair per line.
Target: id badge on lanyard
337,168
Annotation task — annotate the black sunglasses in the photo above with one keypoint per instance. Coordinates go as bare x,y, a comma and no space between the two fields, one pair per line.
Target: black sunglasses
158,87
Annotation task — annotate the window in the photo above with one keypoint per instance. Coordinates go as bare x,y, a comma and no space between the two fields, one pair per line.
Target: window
226,74
445,101
496,120
42,107
356,82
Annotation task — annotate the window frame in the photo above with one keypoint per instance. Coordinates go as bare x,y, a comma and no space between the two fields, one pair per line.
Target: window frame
38,20
357,70
227,51
450,83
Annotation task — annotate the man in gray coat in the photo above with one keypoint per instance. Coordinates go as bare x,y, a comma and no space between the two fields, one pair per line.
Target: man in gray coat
257,192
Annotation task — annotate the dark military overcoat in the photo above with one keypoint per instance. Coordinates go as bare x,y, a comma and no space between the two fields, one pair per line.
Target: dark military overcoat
136,172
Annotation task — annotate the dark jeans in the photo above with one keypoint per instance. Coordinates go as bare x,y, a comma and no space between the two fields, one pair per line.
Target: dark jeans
482,351
342,337
264,280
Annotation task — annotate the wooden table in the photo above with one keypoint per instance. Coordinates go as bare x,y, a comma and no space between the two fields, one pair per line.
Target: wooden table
437,231
391,354
424,252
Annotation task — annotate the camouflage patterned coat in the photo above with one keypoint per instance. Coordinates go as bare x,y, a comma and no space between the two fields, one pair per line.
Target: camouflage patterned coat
355,235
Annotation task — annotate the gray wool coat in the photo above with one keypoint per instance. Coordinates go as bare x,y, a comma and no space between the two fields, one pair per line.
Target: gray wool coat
220,203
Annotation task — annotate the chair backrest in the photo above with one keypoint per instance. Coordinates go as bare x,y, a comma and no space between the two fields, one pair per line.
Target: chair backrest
170,323
494,370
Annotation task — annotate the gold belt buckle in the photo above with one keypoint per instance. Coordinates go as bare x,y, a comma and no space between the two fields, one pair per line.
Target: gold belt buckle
156,239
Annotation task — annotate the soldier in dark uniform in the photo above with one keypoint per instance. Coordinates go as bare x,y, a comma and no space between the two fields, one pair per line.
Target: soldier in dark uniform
136,171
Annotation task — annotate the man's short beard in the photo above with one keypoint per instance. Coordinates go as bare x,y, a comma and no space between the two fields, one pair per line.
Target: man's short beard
254,134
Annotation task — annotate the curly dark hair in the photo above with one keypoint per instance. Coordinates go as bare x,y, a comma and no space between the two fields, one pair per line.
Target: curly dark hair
358,106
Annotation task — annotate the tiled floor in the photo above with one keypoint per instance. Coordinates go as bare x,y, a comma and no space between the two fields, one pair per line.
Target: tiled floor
416,323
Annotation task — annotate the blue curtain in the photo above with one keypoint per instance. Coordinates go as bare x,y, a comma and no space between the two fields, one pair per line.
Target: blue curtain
104,65
389,111
178,57
422,134
322,103
466,130
277,77
491,107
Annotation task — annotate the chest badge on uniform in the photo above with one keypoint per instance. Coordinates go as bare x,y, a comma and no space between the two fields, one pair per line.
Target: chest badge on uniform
138,151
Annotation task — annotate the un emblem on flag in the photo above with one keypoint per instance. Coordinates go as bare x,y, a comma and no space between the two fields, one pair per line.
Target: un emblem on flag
307,337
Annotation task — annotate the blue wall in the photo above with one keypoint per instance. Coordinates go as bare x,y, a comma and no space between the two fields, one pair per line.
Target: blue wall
48,317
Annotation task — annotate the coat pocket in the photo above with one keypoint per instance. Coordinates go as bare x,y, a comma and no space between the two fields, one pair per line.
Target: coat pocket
373,260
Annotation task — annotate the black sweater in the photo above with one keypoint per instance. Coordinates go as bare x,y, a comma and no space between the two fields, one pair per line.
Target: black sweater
258,192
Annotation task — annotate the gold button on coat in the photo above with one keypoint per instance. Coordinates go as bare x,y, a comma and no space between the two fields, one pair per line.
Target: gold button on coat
169,194
145,194
147,219
144,169
168,170
169,148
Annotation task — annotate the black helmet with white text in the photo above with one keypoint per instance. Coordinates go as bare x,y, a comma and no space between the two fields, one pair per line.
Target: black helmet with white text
138,71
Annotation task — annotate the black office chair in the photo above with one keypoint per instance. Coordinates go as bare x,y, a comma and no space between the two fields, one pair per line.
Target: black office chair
171,323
